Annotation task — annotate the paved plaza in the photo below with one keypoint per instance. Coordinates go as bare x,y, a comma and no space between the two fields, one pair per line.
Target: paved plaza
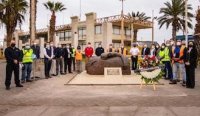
52,97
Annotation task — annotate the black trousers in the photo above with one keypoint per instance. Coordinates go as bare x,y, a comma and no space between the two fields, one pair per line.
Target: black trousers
59,64
10,67
47,67
74,63
190,76
68,63
134,62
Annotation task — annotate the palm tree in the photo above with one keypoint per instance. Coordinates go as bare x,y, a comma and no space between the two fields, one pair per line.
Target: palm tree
53,7
33,10
12,15
173,14
140,16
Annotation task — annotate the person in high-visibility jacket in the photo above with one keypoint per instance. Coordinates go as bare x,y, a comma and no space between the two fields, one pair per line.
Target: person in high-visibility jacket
27,63
73,57
178,59
164,57
122,50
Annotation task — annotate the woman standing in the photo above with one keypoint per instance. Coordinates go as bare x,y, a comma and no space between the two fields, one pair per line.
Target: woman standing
191,64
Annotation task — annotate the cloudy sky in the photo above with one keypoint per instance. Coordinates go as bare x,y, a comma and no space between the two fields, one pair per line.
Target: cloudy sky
106,8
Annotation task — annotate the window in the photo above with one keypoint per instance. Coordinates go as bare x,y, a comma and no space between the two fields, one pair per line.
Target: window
127,32
98,29
116,30
64,35
82,32
68,35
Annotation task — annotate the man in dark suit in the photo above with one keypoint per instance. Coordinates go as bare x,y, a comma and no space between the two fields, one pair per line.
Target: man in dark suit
145,50
13,57
67,59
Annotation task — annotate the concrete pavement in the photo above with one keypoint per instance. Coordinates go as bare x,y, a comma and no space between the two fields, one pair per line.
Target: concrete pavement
51,97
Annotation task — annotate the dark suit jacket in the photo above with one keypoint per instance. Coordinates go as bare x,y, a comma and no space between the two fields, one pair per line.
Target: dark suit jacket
65,53
36,50
146,52
192,57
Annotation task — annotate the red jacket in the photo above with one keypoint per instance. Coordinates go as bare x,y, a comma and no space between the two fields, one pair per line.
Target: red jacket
89,52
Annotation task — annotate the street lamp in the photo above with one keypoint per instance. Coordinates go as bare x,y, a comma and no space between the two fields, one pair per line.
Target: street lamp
186,24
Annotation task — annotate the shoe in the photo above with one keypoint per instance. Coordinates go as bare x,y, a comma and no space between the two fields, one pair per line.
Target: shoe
7,87
19,85
22,81
70,72
29,81
62,73
46,77
173,82
178,80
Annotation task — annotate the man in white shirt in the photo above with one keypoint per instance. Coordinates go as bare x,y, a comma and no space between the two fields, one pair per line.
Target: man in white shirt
48,56
134,56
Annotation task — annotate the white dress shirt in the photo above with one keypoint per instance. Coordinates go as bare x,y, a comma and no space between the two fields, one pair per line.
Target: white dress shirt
134,51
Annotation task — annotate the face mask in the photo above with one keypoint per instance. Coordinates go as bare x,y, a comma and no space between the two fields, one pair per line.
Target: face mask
172,43
122,46
34,43
153,47
13,45
67,46
168,45
163,47
72,46
27,47
47,46
59,46
51,45
178,43
89,45
100,46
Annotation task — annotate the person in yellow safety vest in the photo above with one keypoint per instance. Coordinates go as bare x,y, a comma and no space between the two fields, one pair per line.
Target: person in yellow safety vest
27,64
122,50
73,57
111,48
165,58
178,58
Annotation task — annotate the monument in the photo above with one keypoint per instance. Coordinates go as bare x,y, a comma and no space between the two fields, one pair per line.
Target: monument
96,65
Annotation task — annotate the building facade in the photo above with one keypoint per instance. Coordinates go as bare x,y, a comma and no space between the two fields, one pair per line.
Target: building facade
107,30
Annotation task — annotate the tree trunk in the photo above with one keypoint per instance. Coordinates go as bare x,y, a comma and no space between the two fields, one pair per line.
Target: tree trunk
52,27
9,37
174,31
135,35
33,8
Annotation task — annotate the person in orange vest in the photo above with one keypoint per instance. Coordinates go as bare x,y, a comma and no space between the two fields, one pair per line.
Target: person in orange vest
178,58
79,58
122,50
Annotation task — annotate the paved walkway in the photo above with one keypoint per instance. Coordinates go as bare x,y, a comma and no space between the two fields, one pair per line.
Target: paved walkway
51,97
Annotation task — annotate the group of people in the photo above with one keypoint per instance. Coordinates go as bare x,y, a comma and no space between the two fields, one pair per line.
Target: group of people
179,61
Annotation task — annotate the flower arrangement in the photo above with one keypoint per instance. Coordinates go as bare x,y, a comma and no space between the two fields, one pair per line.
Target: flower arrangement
150,70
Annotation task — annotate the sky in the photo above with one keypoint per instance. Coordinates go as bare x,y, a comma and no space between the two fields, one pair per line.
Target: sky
105,8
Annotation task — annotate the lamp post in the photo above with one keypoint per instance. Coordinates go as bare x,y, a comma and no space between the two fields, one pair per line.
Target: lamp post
186,24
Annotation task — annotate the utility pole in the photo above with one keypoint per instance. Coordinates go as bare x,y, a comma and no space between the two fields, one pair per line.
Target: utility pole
186,24
122,22
153,18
